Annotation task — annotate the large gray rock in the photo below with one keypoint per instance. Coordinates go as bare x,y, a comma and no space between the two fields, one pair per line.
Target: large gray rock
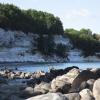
63,83
59,85
42,88
72,74
86,94
83,76
96,89
49,96
73,96
90,84
83,85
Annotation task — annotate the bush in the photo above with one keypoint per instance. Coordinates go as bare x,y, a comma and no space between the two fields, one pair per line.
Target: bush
45,44
13,18
61,50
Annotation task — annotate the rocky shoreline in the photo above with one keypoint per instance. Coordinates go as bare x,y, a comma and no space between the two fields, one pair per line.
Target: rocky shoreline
62,84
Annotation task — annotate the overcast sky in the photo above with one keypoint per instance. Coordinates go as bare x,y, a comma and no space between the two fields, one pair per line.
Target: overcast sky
73,13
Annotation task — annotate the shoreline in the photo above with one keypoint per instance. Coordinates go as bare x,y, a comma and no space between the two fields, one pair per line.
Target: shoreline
67,82
31,62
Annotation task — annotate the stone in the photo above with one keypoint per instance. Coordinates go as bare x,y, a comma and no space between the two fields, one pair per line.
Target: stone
90,83
49,96
42,88
73,96
72,74
83,76
86,94
22,75
60,85
96,89
83,85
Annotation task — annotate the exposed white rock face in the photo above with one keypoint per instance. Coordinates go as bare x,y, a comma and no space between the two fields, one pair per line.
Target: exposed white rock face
63,40
6,37
15,46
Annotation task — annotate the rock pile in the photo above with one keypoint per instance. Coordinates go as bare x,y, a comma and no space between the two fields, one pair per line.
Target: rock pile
67,84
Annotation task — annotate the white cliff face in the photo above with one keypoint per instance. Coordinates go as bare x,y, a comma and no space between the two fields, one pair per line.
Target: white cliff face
15,46
60,39
75,55
6,37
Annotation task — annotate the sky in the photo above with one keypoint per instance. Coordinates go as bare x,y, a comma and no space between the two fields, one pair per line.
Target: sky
73,13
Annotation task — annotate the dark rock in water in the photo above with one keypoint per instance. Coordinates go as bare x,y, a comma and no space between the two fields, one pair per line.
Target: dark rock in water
96,72
83,76
50,76
57,72
70,68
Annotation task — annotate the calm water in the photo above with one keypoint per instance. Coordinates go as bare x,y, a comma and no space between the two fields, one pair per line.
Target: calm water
45,67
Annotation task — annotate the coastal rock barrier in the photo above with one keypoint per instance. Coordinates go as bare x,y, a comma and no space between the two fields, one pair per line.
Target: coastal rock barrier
62,84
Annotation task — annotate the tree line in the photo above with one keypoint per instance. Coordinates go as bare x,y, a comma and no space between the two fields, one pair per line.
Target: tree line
43,23
38,22
85,40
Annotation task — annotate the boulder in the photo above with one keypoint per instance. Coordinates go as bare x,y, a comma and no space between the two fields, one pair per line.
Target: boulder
83,76
90,84
83,85
72,74
49,96
86,94
42,88
73,96
96,71
60,85
22,75
96,89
